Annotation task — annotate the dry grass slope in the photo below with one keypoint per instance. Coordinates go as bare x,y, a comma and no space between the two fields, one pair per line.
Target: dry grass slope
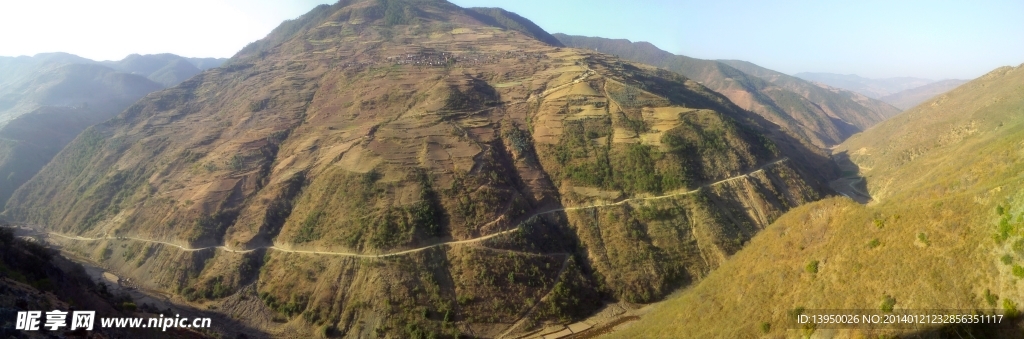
944,231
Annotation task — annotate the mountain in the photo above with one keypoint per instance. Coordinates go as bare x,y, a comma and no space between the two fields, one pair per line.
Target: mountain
907,99
16,69
943,231
856,109
823,119
872,88
501,18
405,169
48,111
166,69
48,99
72,85
206,63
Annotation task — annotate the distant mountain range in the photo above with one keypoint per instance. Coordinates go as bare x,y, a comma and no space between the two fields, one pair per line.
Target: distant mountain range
907,99
46,100
67,80
872,88
166,69
902,92
822,116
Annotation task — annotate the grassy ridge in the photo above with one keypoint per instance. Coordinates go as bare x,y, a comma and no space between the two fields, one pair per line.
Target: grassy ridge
800,108
944,232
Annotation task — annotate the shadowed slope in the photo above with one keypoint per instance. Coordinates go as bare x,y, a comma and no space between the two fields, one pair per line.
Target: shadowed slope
52,109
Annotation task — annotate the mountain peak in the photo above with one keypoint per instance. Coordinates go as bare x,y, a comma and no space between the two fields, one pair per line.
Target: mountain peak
423,150
386,21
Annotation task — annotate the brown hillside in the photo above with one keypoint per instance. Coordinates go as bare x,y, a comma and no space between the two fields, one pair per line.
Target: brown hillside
399,168
802,110
853,108
944,232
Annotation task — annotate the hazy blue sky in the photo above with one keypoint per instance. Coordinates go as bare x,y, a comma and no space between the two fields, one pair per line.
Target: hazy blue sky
932,39
929,39
112,29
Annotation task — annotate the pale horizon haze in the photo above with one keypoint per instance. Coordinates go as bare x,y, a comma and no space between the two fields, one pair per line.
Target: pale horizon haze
874,39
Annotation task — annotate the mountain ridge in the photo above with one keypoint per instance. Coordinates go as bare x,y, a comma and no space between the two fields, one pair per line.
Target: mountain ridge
823,96
51,109
944,178
384,126
872,88
47,99
826,120
907,99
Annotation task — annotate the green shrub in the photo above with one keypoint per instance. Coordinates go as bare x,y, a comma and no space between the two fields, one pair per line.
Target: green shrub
812,267
796,312
874,243
766,327
887,303
923,238
310,228
237,162
1010,308
991,298
1018,271
210,167
1004,229
1018,247
1007,259
107,252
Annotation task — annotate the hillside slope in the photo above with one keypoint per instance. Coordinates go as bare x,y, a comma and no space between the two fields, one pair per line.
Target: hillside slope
945,230
34,278
401,168
52,108
825,121
853,108
907,99
72,85
508,20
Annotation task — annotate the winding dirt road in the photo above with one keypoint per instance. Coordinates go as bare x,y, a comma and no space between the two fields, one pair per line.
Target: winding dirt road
457,242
